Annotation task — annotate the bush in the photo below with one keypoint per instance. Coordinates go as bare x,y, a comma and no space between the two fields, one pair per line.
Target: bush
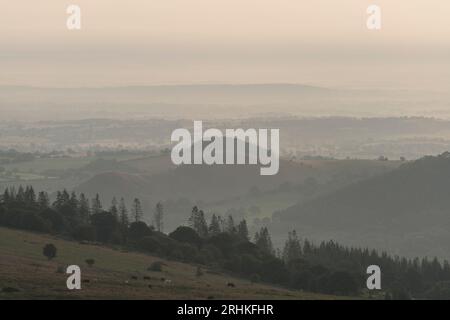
156,266
49,251
90,262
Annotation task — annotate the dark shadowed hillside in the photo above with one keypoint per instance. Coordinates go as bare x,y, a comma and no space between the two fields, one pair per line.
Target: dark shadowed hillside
113,184
406,210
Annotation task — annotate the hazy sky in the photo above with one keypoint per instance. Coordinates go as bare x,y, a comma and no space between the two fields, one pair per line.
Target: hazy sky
323,42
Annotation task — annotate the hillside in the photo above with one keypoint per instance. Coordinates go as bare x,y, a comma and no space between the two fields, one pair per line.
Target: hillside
406,211
221,188
23,267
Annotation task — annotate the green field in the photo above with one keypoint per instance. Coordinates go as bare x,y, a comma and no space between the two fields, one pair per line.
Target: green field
40,165
23,267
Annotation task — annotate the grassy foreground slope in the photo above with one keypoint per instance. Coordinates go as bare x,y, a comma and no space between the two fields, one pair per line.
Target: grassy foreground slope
23,267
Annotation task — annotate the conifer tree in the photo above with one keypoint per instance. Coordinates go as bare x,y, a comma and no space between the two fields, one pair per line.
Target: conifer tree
84,208
292,248
123,213
197,222
43,200
242,230
73,201
229,226
136,210
96,205
264,242
214,226
114,209
30,195
159,217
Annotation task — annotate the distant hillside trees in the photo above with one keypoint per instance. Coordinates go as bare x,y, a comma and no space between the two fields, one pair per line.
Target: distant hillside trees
242,230
197,222
264,242
123,213
214,226
84,208
326,267
96,205
158,217
114,209
136,210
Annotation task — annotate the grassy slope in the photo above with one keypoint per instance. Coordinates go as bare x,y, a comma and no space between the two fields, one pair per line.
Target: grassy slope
23,266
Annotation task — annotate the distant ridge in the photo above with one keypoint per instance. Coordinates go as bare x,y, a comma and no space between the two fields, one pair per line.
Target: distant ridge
407,208
224,86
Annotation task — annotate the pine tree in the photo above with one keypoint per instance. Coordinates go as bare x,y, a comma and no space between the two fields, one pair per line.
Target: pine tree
202,227
30,195
242,230
62,198
65,196
197,222
113,209
20,197
214,226
221,223
96,205
230,227
84,208
73,201
193,218
43,200
136,210
12,193
264,242
123,213
6,197
292,248
159,217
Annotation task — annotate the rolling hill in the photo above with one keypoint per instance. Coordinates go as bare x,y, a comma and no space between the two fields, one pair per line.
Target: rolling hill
220,188
406,211
30,275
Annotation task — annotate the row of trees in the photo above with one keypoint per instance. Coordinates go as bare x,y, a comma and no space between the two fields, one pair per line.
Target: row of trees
223,243
78,209
217,225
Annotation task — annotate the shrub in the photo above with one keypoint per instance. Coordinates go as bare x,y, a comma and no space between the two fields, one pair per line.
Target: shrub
90,262
49,251
156,266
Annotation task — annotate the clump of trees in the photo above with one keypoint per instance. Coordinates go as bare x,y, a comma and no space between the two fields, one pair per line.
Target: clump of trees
223,243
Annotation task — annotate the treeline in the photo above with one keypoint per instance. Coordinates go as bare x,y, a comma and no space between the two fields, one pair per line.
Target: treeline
225,244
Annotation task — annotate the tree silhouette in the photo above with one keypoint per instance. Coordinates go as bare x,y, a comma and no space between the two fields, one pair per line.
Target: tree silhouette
159,217
136,210
49,251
